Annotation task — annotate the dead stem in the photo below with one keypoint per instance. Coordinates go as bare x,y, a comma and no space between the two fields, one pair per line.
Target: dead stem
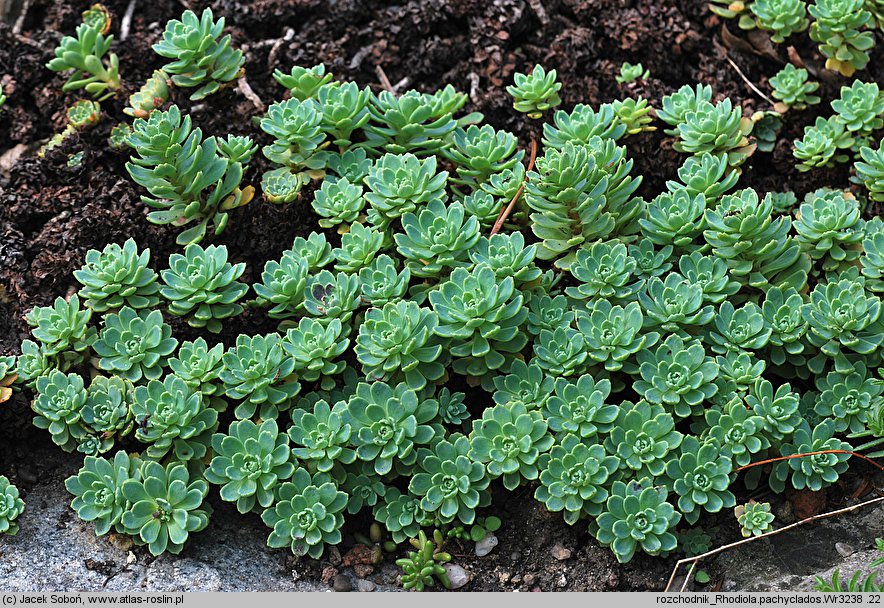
505,213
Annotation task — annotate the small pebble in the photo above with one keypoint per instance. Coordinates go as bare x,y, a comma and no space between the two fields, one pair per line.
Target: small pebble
528,579
122,542
365,586
363,570
562,581
457,575
504,578
560,552
844,550
328,573
342,583
334,556
515,556
486,545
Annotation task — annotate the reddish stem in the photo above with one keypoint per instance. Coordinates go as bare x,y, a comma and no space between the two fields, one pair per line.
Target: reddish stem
505,213
770,460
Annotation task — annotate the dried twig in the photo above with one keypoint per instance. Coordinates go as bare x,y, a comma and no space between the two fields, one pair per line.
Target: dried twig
807,520
749,82
271,56
505,213
803,454
382,76
248,93
126,22
20,20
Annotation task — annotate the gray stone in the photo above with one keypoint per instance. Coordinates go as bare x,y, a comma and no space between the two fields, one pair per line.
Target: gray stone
457,575
486,545
844,550
365,586
342,583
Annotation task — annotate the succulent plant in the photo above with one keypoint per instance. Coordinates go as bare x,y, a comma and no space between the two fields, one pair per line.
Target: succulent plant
822,143
134,344
359,246
152,95
817,470
200,56
482,318
738,329
630,73
249,462
830,229
85,55
579,408
792,88
344,110
107,412
164,506
738,430
678,375
381,282
780,17
421,568
388,422
118,276
675,219
612,334
643,436
674,304
509,440
399,183
258,371
200,367
849,398
307,515
202,285
536,92
870,171
860,108
451,485
719,129
62,329
11,507
574,478
705,174
676,106
836,26
332,296
397,342
58,407
338,201
187,177
401,514
172,417
480,152
700,475
321,437
525,384
604,270
303,83
283,284
437,239
754,518
410,123
298,137
98,490
637,516
711,274
314,348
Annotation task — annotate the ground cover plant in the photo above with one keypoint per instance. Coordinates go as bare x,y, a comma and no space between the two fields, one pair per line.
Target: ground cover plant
623,358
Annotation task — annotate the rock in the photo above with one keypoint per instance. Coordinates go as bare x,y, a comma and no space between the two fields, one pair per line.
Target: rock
504,577
363,570
328,573
334,556
342,583
457,575
486,545
528,579
515,556
365,586
359,554
562,582
516,579
560,552
844,550
123,542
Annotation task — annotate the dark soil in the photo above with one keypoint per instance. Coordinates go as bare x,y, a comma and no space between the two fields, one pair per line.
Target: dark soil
51,214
